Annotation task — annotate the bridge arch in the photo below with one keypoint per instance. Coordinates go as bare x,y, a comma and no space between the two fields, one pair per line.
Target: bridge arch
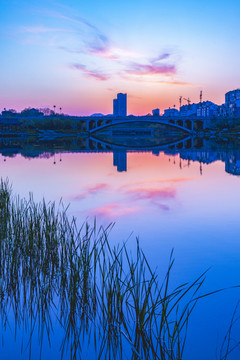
92,124
198,125
94,127
188,124
100,123
188,144
179,145
83,125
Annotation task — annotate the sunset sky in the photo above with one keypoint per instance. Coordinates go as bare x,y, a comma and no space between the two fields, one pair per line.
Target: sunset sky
78,54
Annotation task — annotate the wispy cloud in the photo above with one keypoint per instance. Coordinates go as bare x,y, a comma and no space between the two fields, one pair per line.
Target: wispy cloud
100,46
77,35
93,39
153,80
177,83
161,57
113,210
151,69
156,197
95,189
41,29
152,193
78,20
155,182
158,192
90,73
94,42
159,65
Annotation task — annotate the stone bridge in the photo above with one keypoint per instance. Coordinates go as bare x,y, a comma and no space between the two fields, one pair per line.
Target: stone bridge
191,125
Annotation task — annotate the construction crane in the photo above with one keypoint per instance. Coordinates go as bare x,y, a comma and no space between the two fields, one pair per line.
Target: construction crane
201,105
188,101
180,101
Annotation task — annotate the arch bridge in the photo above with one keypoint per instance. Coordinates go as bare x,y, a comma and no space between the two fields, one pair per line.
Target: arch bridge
189,125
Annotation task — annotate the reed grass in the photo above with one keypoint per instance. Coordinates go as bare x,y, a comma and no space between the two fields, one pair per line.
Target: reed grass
102,296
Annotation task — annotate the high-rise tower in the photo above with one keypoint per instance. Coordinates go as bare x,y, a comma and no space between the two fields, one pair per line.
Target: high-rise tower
115,107
120,105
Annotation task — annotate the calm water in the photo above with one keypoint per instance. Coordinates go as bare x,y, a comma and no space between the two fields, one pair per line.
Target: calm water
188,200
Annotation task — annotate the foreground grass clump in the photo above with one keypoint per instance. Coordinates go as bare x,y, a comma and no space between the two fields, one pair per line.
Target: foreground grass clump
102,296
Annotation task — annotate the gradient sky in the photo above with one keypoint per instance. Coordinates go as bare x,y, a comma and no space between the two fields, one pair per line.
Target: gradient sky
78,54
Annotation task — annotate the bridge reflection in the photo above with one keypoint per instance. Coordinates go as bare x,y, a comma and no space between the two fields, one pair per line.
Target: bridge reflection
120,151
196,149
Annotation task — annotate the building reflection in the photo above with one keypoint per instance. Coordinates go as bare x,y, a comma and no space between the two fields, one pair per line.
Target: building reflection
120,160
190,149
232,164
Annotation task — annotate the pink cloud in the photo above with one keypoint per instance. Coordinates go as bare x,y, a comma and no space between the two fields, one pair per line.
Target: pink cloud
174,180
113,210
151,69
178,83
94,74
156,181
152,193
91,190
155,196
152,80
102,50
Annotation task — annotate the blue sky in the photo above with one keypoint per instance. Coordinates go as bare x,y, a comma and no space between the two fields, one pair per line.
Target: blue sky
78,54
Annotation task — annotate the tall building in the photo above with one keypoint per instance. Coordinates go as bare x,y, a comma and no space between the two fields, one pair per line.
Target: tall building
171,112
115,107
232,96
120,105
156,112
232,103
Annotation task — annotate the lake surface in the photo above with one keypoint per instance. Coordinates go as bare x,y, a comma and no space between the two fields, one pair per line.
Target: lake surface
182,198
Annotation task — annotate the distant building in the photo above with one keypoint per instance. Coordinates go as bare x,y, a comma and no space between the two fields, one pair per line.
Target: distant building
207,109
231,97
189,110
232,103
115,107
156,112
201,109
232,164
120,105
237,108
171,112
